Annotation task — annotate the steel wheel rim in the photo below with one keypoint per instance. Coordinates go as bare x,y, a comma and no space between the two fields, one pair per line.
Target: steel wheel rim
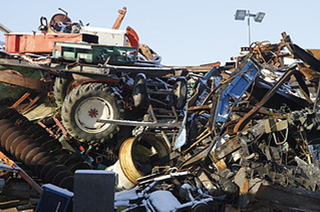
90,110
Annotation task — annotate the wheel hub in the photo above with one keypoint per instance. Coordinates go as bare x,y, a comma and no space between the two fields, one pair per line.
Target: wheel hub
93,112
92,109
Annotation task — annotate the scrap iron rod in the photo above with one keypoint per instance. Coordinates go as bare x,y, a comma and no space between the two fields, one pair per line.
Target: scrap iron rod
138,123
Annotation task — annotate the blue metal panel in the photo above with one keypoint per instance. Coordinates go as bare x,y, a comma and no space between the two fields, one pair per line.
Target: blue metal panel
232,94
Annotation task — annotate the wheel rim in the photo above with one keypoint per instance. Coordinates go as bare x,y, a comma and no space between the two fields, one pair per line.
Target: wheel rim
92,109
133,154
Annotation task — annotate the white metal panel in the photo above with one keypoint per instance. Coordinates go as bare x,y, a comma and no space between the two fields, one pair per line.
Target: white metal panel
112,37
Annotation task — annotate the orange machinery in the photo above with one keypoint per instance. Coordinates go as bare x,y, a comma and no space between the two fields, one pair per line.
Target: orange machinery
42,43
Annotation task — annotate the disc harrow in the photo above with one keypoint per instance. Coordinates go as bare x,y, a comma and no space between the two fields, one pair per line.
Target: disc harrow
31,144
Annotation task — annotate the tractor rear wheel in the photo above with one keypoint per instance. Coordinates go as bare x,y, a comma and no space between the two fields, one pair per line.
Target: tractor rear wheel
84,105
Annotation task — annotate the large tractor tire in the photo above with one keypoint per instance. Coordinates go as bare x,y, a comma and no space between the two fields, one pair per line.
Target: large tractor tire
60,88
84,105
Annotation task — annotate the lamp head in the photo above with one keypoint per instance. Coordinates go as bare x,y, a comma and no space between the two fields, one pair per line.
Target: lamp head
240,15
259,17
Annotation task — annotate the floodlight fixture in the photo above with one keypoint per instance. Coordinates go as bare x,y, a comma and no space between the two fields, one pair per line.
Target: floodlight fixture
242,14
259,17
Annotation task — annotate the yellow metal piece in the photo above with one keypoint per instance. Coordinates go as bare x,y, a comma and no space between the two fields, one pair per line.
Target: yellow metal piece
309,156
133,155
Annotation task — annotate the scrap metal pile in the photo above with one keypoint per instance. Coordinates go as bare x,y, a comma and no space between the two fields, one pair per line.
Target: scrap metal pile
252,138
243,136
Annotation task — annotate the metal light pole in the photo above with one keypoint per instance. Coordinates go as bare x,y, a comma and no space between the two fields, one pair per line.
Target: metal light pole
249,30
242,14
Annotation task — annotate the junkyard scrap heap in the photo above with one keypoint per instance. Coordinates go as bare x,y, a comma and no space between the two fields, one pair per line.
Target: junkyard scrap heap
238,137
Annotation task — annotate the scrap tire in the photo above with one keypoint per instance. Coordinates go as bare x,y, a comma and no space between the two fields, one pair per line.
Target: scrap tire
60,89
84,105
180,92
139,92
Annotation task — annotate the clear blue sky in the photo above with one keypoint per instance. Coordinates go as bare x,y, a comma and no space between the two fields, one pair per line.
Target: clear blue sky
182,32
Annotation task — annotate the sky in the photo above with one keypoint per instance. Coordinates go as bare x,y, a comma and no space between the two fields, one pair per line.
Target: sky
184,33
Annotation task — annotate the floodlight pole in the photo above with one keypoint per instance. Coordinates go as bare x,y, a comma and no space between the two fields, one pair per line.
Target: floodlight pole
249,30
242,14
248,15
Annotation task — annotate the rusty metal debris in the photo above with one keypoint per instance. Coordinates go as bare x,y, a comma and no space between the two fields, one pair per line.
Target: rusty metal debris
251,134
233,137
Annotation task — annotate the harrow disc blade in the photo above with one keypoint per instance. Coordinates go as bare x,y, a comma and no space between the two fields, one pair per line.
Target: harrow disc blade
32,154
16,142
21,146
4,132
26,150
9,141
54,171
41,163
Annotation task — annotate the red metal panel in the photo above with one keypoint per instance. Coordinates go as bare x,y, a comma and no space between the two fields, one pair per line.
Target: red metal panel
12,43
41,43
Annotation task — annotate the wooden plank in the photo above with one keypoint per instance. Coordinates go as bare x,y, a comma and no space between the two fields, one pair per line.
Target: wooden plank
16,79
